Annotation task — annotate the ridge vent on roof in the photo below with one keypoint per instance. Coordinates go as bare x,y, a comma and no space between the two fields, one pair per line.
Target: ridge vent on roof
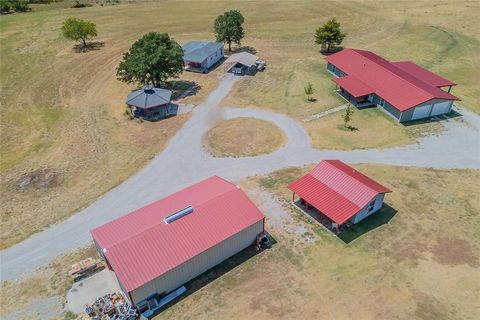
177,215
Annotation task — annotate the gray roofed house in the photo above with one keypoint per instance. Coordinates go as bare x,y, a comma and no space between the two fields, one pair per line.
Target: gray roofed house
150,103
201,55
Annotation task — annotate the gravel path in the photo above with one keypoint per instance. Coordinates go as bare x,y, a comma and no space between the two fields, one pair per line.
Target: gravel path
326,113
184,162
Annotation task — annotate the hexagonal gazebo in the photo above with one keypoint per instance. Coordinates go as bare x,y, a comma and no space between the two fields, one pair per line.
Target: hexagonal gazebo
150,103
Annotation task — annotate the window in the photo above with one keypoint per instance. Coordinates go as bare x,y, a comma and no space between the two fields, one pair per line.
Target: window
334,69
371,205
382,102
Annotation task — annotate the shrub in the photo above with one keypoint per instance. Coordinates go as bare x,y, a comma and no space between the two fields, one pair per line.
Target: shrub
79,4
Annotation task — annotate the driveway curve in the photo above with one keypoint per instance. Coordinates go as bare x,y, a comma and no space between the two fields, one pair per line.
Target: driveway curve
185,161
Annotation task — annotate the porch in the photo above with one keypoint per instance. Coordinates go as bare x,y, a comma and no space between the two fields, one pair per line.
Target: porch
359,102
194,67
155,113
354,91
322,219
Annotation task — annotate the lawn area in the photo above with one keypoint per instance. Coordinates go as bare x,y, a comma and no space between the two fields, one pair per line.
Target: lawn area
63,112
371,128
243,137
423,264
44,289
439,35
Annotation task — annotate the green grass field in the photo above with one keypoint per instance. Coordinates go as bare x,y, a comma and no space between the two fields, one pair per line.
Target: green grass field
63,111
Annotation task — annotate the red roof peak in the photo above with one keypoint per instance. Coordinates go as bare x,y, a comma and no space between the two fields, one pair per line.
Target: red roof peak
403,87
337,190
140,246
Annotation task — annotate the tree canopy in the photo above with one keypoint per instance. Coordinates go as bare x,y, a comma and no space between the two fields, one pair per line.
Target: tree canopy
16,5
228,28
329,35
79,30
151,60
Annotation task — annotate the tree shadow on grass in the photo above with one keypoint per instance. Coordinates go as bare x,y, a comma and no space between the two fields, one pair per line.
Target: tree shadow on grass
377,219
248,49
347,128
332,50
216,272
183,88
91,46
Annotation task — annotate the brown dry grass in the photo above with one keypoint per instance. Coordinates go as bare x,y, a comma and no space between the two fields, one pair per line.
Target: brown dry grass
398,265
62,111
50,281
243,137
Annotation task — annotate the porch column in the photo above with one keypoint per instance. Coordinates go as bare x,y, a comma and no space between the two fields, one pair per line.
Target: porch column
449,88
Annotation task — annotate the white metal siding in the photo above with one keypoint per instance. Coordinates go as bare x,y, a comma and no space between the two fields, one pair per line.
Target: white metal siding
422,112
217,55
364,212
441,108
199,264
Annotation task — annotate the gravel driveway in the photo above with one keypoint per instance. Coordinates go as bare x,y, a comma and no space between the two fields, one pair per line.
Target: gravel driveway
184,162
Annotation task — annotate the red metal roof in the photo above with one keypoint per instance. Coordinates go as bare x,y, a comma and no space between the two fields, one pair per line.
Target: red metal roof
140,246
354,86
402,89
423,74
337,190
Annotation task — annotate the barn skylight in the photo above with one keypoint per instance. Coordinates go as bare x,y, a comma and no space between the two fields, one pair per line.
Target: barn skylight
177,215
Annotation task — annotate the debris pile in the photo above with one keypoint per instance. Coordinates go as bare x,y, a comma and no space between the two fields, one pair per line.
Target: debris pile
111,307
84,268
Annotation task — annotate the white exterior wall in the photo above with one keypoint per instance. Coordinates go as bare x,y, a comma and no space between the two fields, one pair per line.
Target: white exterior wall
422,112
210,61
441,108
364,212
199,264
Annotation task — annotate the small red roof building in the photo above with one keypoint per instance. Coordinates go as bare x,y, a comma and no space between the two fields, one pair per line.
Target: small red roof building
338,190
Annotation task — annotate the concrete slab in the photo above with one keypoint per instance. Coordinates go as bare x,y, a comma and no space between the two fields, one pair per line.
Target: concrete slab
87,290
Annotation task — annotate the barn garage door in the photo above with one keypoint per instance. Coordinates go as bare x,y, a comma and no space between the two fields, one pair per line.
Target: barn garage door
421,112
441,108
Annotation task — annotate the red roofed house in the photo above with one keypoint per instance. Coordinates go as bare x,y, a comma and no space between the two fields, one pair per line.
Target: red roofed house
403,89
158,248
339,192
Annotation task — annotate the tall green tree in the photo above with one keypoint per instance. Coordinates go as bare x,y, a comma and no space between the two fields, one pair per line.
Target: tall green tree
228,28
329,35
151,60
79,30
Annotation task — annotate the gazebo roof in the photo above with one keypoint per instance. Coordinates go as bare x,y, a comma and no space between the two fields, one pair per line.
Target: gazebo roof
149,97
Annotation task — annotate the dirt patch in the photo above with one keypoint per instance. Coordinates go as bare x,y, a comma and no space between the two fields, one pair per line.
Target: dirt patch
454,252
243,137
408,250
39,179
428,308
